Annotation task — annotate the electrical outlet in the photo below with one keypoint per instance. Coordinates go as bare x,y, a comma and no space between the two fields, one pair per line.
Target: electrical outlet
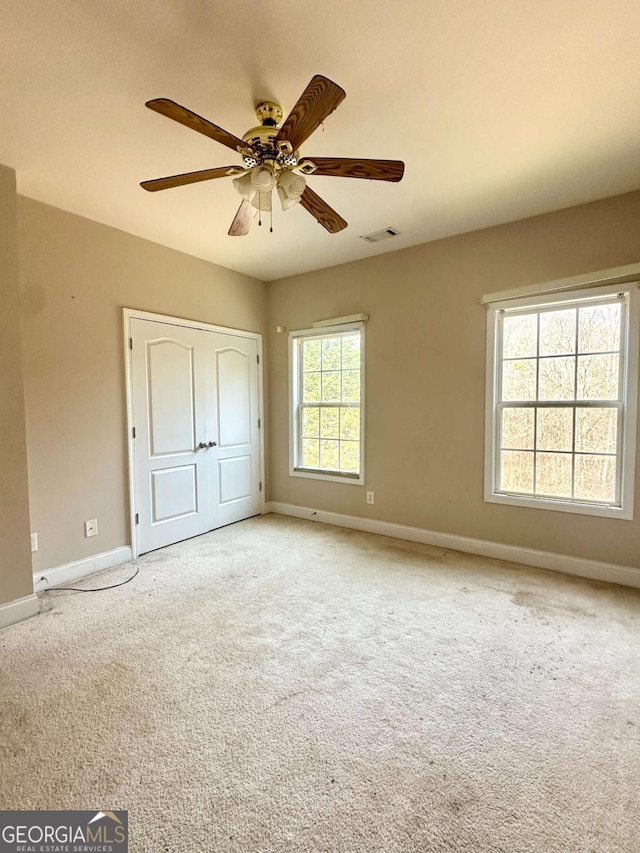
34,542
91,528
371,497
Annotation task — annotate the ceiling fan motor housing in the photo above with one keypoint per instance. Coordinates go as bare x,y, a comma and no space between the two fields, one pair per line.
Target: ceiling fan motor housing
269,113
262,135
262,139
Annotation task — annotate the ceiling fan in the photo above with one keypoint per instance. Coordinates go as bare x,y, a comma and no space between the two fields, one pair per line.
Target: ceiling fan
272,160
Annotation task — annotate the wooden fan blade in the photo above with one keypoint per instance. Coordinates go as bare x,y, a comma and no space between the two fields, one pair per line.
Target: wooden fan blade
345,167
318,100
326,216
189,119
242,220
190,178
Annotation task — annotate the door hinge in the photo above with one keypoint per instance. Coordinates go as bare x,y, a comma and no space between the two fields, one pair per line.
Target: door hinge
133,432
260,486
258,423
137,518
130,343
258,359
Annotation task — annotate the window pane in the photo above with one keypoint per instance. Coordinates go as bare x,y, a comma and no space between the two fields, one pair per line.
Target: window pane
350,424
310,423
554,429
558,332
329,455
553,474
598,377
311,388
595,478
351,386
560,414
310,453
350,456
329,423
331,354
311,355
331,387
519,336
517,471
351,353
329,367
519,380
596,430
556,378
599,328
517,429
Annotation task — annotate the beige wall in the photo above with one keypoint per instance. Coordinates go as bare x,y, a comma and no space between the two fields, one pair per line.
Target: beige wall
425,347
425,375
15,554
76,276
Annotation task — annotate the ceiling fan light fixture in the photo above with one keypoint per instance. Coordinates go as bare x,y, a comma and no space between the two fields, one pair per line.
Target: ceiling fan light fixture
245,186
262,179
262,201
290,188
285,201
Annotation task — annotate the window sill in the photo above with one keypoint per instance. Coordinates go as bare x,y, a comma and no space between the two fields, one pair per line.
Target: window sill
617,512
347,479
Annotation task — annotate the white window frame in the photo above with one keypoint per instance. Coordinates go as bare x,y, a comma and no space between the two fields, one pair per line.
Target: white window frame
628,409
295,396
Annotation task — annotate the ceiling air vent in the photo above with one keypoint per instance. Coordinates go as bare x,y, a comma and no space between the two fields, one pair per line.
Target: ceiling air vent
376,236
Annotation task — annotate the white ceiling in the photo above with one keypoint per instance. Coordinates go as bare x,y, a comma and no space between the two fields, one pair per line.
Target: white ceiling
500,110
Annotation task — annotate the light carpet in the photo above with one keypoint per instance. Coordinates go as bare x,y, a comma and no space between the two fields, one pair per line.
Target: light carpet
281,685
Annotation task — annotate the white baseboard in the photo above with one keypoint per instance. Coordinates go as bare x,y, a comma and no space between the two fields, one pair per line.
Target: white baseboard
81,568
16,611
592,569
266,508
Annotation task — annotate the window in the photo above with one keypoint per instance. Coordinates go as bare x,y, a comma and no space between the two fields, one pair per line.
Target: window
327,381
562,376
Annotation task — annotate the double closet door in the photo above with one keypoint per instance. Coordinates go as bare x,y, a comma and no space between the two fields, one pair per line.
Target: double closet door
195,416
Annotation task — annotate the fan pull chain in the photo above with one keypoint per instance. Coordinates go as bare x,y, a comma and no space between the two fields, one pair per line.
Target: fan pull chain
259,208
271,219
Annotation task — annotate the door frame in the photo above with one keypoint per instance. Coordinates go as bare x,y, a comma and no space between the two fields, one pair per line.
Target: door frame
133,314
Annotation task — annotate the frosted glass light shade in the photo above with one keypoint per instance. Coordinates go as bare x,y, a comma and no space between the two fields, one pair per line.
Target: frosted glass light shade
262,201
245,186
285,201
290,188
263,179
256,186
291,183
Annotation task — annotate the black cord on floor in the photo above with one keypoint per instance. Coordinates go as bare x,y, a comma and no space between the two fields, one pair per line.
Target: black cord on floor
96,589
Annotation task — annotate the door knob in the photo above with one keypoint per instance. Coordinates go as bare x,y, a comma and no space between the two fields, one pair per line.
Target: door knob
212,444
202,445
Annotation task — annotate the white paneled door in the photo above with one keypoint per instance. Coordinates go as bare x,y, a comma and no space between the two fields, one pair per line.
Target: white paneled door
196,444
